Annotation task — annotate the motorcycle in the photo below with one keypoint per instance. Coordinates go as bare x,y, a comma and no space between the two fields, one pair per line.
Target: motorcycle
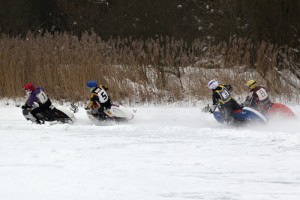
280,110
117,113
56,113
250,115
275,109
243,116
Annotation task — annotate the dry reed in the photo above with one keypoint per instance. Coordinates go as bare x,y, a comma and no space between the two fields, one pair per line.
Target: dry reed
162,69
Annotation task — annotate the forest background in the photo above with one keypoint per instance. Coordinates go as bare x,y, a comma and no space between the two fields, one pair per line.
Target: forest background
146,51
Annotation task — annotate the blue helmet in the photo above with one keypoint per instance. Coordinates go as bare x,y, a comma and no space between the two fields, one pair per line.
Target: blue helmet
91,84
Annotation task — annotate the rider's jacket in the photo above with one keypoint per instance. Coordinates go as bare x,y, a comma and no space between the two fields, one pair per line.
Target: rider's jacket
37,96
98,97
259,99
221,95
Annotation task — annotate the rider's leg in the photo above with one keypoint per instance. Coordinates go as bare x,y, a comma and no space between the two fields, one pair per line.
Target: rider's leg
34,113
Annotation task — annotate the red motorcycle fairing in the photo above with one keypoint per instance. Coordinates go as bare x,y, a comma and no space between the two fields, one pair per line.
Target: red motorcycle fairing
282,110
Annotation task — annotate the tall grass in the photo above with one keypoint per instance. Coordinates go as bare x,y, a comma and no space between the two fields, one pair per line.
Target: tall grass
161,69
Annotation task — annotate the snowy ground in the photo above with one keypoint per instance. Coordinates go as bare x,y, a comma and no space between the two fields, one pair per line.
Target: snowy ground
164,153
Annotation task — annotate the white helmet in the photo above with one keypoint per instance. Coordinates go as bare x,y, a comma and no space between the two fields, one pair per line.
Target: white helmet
213,84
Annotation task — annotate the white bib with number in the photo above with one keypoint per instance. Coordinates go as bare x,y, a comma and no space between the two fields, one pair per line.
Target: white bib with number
42,97
262,94
103,97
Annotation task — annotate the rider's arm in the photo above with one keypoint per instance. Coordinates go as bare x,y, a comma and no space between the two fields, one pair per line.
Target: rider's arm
93,99
250,99
30,101
228,87
215,98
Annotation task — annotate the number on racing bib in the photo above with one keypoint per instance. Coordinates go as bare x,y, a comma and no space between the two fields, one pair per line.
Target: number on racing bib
42,97
262,94
225,95
103,96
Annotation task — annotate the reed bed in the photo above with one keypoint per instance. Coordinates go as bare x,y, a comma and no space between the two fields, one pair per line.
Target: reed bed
143,70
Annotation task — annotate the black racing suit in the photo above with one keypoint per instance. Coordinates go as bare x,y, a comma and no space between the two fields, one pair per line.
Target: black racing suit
39,97
100,98
221,97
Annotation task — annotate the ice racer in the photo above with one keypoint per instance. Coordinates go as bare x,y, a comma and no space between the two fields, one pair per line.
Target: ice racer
222,98
258,97
37,101
99,100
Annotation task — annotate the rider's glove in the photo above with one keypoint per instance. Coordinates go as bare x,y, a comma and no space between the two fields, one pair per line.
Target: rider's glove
86,107
205,108
212,108
25,106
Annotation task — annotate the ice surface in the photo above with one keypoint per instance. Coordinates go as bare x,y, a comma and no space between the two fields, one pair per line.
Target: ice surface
163,153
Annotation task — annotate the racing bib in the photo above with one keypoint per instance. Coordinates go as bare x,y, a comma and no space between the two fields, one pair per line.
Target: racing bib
103,97
262,94
225,96
42,97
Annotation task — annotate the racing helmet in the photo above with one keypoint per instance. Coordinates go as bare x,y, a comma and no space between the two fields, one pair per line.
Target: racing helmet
29,87
212,84
91,84
251,84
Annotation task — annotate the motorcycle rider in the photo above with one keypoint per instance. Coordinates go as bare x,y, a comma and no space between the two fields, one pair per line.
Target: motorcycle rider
99,99
221,97
37,101
258,97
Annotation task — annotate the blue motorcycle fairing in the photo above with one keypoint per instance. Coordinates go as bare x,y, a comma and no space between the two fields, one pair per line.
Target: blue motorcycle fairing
219,117
246,115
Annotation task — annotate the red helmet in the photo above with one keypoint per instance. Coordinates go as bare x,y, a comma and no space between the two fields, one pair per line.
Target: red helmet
29,87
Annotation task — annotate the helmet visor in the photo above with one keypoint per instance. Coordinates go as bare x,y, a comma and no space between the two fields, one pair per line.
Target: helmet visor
91,89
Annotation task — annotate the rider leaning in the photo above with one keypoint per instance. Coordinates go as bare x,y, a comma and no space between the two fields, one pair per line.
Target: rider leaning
222,97
37,101
99,99
258,97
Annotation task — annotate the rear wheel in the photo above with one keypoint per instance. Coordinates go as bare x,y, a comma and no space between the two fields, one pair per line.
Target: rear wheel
60,116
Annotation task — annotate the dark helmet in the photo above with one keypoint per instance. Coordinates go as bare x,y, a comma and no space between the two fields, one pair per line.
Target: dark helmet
29,87
91,84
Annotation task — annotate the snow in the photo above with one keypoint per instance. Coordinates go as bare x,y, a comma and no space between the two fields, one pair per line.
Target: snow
165,152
